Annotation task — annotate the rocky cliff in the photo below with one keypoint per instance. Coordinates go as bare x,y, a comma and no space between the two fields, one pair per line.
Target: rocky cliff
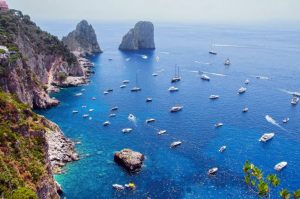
139,37
35,60
29,151
83,39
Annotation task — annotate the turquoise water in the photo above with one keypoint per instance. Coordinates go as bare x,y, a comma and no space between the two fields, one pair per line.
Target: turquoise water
182,172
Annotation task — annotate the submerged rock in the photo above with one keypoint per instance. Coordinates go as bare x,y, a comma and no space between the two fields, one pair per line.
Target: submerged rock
83,39
129,159
139,37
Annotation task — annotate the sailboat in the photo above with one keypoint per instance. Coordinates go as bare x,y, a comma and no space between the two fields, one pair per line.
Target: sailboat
212,50
136,88
176,77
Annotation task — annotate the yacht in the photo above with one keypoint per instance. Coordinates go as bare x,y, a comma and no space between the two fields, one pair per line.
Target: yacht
107,123
213,171
205,77
149,99
118,187
78,94
295,100
212,50
175,109
214,97
245,110
266,137
105,92
219,124
74,112
286,120
91,110
176,77
227,62
280,166
150,120
175,144
136,88
112,115
126,130
242,90
222,149
123,86
126,81
161,132
173,89
85,115
115,108
247,81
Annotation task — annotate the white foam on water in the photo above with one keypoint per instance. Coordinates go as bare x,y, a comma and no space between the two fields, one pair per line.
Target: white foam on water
204,63
272,121
165,52
286,91
132,119
216,74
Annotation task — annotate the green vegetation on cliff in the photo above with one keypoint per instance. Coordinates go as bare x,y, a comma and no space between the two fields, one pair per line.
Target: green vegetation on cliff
22,149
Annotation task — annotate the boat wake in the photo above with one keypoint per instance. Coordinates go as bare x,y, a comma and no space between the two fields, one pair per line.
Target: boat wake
165,52
286,91
272,121
204,63
216,74
262,77
231,45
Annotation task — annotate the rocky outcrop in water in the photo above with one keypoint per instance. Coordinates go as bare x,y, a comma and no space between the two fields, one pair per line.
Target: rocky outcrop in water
139,37
129,159
83,39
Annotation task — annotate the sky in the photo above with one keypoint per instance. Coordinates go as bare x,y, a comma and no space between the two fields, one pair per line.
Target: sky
189,11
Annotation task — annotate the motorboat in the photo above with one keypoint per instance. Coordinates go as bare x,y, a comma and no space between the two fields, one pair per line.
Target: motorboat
149,99
213,97
222,149
176,77
175,144
74,112
245,110
161,132
85,115
205,77
219,124
126,81
115,108
123,86
173,89
175,109
247,81
126,130
212,171
112,115
83,106
227,62
286,120
107,123
91,110
154,74
150,120
110,90
83,89
78,94
295,100
266,137
242,90
144,56
280,166
118,187
105,92
93,98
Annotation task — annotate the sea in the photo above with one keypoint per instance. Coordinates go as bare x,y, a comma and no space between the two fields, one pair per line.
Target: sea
265,55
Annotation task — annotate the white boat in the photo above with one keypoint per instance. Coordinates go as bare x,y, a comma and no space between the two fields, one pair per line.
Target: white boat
93,98
219,124
205,77
118,187
83,106
227,62
91,110
107,123
131,117
295,100
83,89
214,97
154,74
126,81
175,144
112,115
105,92
280,166
123,86
242,90
266,137
213,171
78,94
247,81
212,50
115,108
126,130
150,120
144,56
173,89
74,112
176,77
222,149
245,110
286,120
85,115
175,109
136,88
149,99
161,132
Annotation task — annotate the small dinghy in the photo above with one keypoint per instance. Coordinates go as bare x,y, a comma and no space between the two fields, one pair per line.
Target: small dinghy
161,132
150,120
280,166
222,149
266,137
245,110
115,108
218,125
112,115
154,74
286,120
118,187
107,123
74,112
130,186
126,130
175,144
212,171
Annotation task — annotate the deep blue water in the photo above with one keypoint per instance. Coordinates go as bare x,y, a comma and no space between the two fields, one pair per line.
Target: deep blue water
182,172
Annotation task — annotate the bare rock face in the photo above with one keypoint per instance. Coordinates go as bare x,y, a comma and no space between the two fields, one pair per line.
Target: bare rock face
83,39
140,37
129,159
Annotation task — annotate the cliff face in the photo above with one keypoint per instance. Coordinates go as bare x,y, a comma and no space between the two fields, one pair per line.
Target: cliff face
35,60
83,39
140,37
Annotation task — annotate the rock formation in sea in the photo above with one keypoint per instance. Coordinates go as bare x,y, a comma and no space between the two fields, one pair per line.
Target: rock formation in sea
83,39
129,159
139,37
35,61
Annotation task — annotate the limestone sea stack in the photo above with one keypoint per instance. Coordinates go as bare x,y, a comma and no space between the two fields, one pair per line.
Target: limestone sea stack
82,40
139,37
129,159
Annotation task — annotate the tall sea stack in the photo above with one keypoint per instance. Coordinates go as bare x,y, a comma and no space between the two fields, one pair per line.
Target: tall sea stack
83,39
139,37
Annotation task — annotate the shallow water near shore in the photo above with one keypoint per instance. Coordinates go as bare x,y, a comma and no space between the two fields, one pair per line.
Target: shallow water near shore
182,172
